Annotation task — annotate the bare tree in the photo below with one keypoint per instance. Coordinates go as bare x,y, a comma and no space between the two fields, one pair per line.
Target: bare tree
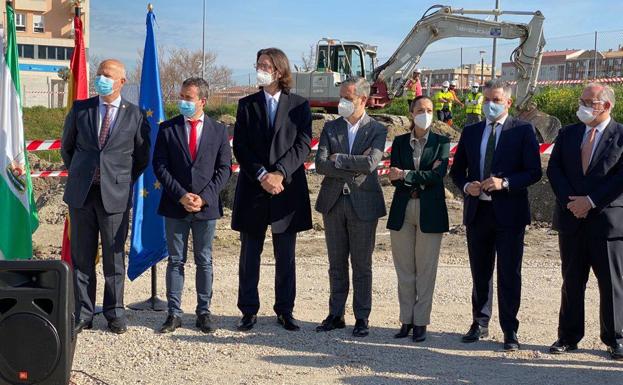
309,60
178,64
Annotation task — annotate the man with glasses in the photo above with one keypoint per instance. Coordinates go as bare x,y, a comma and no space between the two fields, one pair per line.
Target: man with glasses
589,218
495,162
272,139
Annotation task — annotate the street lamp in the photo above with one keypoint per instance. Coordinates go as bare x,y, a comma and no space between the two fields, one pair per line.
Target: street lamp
482,67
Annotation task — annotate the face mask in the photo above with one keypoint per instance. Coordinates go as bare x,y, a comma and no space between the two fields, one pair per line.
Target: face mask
586,114
264,78
104,85
345,108
444,89
187,108
493,110
423,120
474,90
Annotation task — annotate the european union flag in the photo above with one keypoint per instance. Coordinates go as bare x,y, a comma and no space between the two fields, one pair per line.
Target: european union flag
149,244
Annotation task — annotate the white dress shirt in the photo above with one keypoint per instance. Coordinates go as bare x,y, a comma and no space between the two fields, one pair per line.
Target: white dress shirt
102,114
199,129
352,134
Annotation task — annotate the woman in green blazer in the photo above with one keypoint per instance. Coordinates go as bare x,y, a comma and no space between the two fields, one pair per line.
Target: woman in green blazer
418,216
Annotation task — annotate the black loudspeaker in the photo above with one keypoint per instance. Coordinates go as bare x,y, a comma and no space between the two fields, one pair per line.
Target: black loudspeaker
37,338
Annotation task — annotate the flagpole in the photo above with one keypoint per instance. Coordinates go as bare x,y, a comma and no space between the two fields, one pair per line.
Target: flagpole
153,302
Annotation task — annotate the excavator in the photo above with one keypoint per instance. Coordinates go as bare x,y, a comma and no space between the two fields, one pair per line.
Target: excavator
336,61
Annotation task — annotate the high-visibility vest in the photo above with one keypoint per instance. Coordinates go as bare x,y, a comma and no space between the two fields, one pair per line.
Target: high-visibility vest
474,108
438,104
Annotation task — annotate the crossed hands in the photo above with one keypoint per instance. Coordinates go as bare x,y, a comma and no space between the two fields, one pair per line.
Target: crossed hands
398,174
272,182
192,202
488,185
367,152
579,206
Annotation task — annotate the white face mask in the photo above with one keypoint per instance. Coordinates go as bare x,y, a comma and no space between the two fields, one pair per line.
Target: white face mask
585,114
423,120
346,108
264,78
444,89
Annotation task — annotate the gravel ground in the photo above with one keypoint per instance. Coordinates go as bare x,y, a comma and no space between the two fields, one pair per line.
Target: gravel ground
270,355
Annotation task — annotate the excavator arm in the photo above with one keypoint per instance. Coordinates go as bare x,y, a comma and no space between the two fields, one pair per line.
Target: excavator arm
448,22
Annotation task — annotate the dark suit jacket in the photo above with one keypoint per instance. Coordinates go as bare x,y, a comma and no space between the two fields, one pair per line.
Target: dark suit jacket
121,161
206,176
356,170
427,181
283,148
603,182
516,157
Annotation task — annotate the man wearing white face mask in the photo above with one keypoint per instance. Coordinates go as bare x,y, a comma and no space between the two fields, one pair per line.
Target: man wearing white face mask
351,202
105,147
418,216
495,162
589,218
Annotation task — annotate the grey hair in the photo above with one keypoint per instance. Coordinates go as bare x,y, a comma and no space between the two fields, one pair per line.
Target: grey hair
201,85
606,94
498,83
362,86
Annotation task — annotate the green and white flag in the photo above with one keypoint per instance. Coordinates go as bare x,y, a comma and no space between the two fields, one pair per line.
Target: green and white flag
18,213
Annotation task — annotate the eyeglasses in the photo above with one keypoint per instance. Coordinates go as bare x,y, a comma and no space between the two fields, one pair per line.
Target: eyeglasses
265,67
590,103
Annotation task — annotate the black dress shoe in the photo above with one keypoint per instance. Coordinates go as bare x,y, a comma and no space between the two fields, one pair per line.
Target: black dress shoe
475,333
83,325
171,323
204,323
330,323
288,322
247,322
616,351
117,326
560,347
511,343
404,331
361,328
419,333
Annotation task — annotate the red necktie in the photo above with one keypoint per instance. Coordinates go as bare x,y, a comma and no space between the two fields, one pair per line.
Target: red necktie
192,140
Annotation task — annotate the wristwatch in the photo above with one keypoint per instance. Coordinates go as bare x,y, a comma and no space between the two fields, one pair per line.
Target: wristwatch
505,183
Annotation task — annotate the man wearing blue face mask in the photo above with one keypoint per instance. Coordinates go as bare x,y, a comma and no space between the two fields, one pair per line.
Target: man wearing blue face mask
495,162
192,161
105,147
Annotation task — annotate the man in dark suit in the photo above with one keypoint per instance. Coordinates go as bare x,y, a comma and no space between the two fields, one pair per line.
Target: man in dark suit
495,162
272,139
351,202
105,147
192,161
586,173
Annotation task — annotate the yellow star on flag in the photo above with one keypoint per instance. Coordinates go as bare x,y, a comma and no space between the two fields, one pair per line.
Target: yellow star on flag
144,193
157,185
149,113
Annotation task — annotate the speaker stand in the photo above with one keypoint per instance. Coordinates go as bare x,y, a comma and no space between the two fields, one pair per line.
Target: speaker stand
153,303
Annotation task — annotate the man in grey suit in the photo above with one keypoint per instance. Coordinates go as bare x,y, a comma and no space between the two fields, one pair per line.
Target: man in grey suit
351,202
105,147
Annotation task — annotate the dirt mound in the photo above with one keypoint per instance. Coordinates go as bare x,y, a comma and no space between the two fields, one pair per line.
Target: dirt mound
441,128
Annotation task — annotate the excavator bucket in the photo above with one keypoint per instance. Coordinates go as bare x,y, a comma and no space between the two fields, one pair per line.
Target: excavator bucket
547,126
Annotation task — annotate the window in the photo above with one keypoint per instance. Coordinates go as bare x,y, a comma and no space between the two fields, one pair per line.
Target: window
26,51
54,53
20,22
356,62
369,65
37,23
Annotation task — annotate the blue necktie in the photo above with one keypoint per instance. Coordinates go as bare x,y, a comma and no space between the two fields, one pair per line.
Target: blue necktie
272,111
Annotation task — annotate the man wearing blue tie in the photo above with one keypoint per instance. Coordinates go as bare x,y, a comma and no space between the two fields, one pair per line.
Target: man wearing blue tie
495,162
271,143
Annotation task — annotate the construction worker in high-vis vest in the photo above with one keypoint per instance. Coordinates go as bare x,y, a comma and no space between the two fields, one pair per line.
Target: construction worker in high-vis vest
414,87
473,105
442,103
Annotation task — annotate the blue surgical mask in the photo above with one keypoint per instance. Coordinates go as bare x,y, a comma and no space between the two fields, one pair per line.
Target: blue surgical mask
187,108
493,110
104,85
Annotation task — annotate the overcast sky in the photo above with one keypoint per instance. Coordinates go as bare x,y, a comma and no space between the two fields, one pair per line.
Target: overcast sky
236,29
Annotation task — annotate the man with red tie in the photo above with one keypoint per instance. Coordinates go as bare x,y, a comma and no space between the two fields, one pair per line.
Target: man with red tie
192,161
